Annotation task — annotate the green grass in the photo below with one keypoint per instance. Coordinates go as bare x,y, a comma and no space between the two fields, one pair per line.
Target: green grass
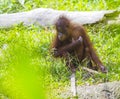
10,6
23,76
26,66
25,61
27,69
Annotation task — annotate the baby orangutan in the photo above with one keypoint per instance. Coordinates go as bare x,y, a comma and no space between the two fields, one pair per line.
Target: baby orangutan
72,39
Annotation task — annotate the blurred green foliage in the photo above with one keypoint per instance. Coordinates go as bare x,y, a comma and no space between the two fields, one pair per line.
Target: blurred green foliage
23,76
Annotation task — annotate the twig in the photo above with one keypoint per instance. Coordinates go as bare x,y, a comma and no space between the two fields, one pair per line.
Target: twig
90,70
73,84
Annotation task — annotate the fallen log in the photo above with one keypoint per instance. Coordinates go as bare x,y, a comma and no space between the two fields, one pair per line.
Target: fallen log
47,17
109,90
